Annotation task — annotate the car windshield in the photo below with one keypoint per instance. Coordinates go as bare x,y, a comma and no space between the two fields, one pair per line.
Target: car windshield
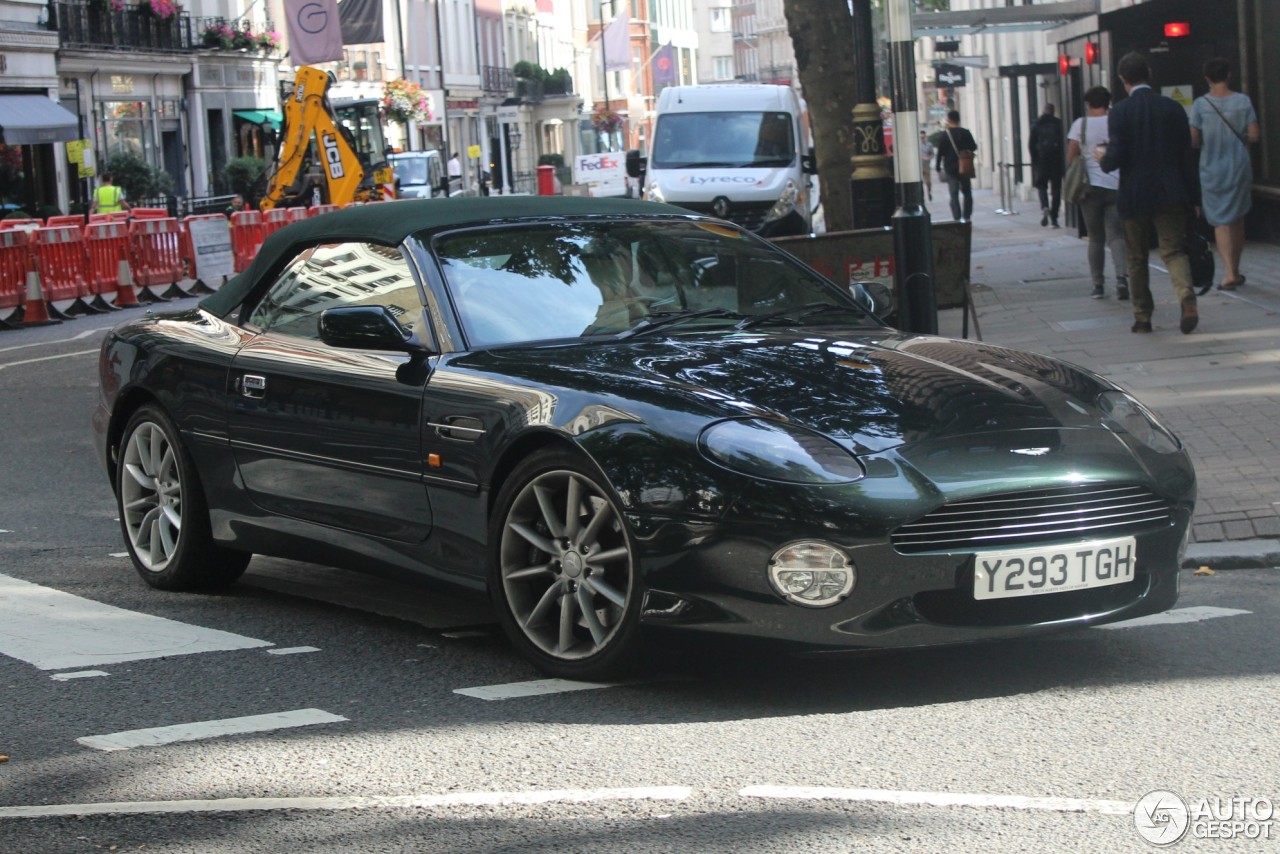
723,140
622,278
411,170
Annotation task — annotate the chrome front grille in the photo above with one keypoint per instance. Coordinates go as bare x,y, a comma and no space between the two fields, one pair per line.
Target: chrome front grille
1035,517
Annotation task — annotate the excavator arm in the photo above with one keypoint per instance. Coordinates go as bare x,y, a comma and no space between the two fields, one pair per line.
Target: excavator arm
307,114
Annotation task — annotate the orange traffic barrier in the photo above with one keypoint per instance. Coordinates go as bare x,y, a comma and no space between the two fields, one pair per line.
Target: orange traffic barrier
71,219
277,218
106,245
60,259
16,261
246,237
156,257
316,210
114,216
6,224
149,213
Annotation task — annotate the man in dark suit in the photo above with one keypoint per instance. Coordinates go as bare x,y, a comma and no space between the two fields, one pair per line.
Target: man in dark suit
1151,146
1047,162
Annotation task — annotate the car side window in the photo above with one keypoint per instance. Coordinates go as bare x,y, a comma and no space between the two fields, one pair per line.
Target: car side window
339,274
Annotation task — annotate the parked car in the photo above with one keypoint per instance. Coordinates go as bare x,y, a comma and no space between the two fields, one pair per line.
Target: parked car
614,415
419,174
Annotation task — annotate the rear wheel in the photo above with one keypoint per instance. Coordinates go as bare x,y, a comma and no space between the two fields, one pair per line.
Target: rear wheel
563,572
162,510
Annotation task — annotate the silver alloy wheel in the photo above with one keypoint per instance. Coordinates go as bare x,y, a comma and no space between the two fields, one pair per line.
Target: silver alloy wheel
151,495
566,565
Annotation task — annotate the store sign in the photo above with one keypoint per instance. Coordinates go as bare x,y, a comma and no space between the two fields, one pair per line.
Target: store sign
122,84
459,104
950,76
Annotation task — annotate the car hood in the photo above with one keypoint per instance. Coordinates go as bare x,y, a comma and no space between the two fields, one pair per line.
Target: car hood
873,390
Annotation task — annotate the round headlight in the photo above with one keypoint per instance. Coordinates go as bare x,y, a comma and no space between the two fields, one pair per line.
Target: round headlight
775,451
810,573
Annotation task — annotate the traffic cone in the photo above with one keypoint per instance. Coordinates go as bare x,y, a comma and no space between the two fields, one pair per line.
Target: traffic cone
35,312
125,296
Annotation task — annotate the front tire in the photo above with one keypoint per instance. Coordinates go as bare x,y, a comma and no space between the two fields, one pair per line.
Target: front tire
162,510
563,571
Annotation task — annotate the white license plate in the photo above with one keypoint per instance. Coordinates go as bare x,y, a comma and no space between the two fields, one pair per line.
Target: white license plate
1031,572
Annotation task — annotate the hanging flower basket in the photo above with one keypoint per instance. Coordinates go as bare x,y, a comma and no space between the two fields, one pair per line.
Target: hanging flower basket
606,121
404,101
162,9
217,35
268,41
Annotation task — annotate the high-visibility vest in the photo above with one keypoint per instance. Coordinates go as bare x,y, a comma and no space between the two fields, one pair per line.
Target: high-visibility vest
108,198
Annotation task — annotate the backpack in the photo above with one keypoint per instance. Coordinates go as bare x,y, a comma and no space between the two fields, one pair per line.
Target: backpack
1048,144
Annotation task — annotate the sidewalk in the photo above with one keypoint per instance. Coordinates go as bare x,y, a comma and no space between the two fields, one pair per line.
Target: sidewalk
1218,388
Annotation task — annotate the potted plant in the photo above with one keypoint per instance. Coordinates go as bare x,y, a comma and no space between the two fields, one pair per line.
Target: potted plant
268,41
217,35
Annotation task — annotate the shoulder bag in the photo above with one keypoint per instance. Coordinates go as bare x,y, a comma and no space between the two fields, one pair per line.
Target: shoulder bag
964,159
1239,136
1075,184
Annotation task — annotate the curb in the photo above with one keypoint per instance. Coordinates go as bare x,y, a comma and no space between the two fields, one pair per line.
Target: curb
1233,554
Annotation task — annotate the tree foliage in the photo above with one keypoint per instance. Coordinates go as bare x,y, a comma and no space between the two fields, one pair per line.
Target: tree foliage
245,176
824,61
139,179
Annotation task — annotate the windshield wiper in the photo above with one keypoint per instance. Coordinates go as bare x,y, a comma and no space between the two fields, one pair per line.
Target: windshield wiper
657,320
796,314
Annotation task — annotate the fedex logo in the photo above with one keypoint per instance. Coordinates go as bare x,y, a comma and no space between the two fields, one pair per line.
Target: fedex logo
699,180
599,163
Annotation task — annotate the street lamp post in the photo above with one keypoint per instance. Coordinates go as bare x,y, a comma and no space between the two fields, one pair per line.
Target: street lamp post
871,187
912,230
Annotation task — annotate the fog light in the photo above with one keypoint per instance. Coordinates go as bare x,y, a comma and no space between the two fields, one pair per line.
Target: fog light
812,574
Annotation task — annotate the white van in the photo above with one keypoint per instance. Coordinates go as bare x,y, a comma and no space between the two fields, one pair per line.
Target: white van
736,151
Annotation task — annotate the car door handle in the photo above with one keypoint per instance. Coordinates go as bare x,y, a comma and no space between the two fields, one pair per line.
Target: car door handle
252,385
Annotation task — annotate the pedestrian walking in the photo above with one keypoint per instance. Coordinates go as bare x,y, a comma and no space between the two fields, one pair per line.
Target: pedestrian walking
1047,165
1223,126
454,168
1101,216
954,158
1149,141
926,157
108,198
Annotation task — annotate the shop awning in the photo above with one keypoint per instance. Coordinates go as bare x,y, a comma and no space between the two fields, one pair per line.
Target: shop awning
262,117
35,119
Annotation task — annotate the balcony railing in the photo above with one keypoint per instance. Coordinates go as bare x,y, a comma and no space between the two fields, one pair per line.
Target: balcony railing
96,26
498,79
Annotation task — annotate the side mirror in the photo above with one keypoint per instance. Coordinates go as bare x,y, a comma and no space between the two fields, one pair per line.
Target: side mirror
876,298
809,162
366,327
636,165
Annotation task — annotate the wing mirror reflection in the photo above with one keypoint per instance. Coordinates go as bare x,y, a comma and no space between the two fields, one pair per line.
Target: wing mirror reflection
367,327
874,297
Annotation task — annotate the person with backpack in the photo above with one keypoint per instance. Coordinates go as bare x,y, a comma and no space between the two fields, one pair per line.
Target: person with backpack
1047,163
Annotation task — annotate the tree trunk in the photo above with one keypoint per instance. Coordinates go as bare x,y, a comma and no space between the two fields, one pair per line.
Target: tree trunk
822,36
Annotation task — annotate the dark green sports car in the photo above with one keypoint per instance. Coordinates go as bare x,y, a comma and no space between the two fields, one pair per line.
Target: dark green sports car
617,417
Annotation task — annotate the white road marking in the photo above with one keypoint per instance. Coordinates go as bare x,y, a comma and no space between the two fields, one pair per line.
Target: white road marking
651,793
56,631
939,799
467,633
208,729
118,554
48,358
530,689
79,674
293,650
76,337
1179,615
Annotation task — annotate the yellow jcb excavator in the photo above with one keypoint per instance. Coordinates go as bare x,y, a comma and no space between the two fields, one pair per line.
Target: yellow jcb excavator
342,142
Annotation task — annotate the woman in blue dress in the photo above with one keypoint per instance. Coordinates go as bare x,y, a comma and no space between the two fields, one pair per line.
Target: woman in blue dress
1223,126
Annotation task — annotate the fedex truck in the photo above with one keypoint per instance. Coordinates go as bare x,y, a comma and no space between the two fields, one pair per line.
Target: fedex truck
736,151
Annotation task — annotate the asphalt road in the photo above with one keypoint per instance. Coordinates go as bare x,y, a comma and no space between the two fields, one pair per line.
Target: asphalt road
365,743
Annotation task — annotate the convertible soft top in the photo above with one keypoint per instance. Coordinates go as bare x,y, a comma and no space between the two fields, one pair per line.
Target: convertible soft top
389,223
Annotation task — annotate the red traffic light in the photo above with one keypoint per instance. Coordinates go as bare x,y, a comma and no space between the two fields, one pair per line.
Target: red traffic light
1091,53
1177,29
1064,65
